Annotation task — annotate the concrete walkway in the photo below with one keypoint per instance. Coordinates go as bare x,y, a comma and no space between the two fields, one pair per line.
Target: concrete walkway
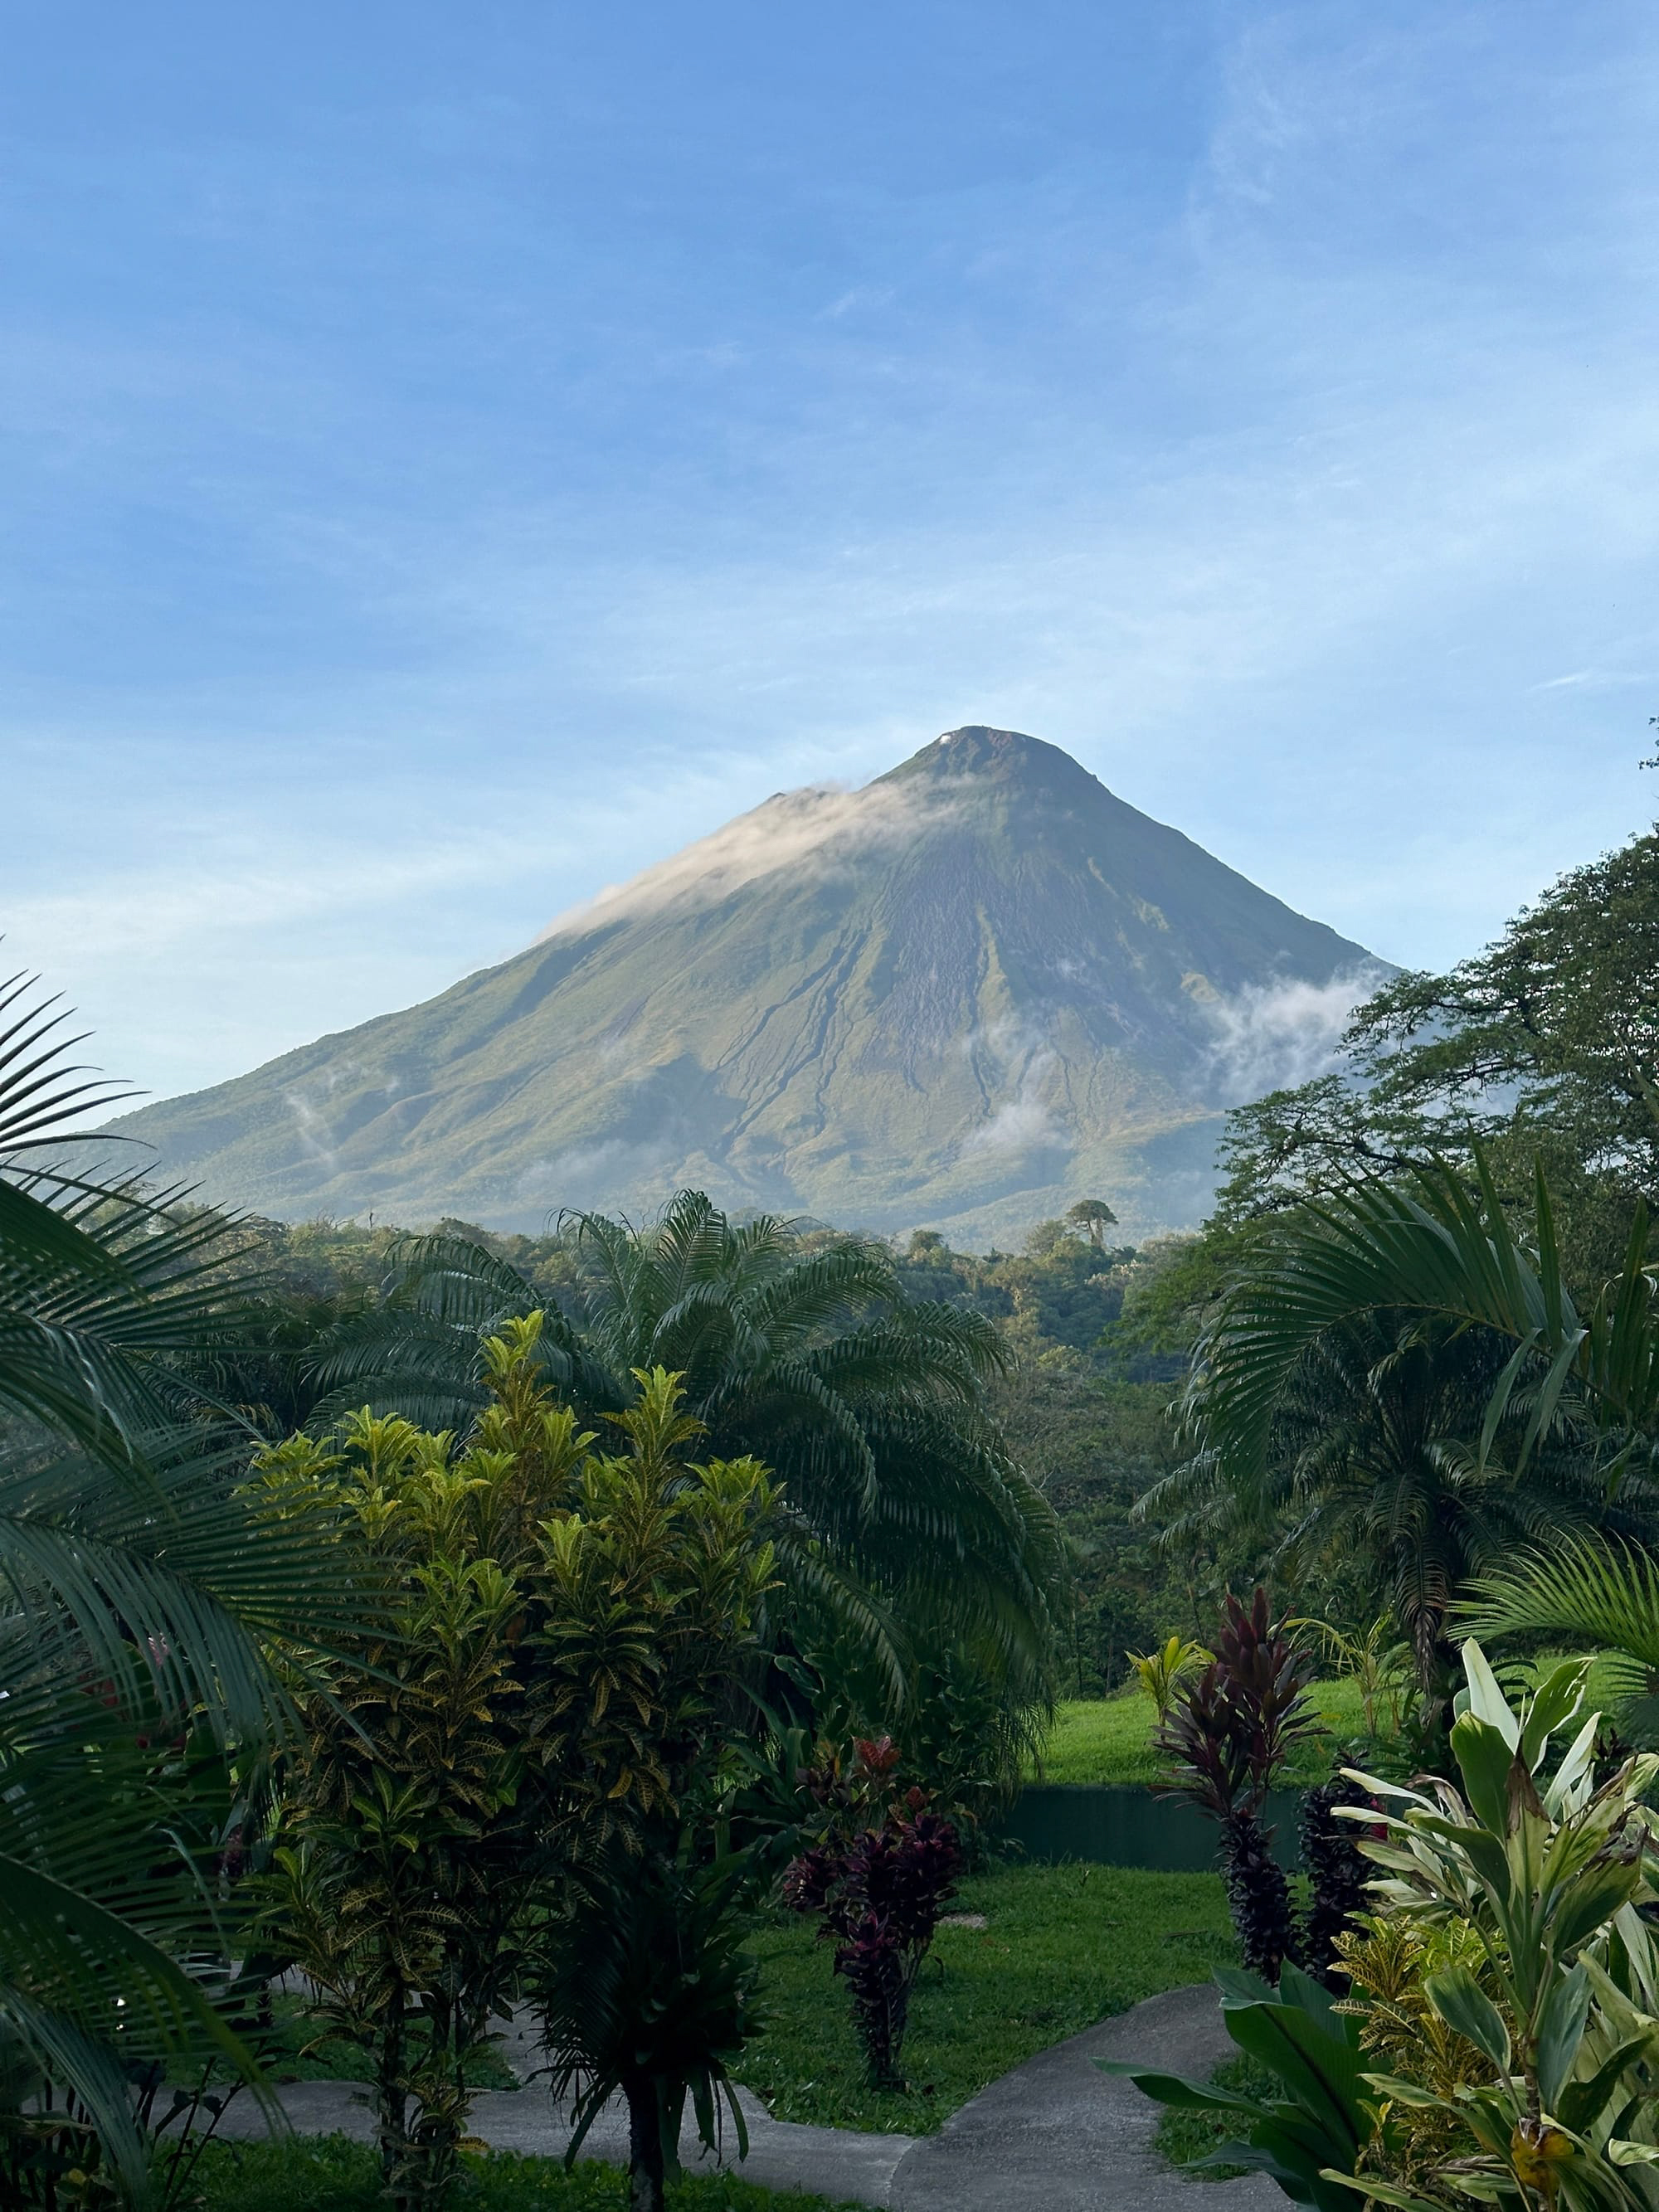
1059,2135
1054,2136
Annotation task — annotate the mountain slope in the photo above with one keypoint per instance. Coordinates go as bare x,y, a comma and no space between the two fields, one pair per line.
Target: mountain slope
978,988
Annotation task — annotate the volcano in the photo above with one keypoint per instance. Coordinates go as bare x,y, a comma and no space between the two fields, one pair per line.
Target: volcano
960,998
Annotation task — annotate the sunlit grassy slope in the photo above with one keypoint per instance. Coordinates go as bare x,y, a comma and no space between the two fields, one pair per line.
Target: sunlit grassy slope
1109,1739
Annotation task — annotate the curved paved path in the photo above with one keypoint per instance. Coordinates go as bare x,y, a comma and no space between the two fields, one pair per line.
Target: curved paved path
1054,2136
1059,2135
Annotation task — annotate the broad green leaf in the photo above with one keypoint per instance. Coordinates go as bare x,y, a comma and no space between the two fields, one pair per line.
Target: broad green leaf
1578,1760
1403,2091
1555,1701
1486,1701
1589,1903
1177,2090
1238,1986
1374,1786
1465,2007
1306,1995
1579,2105
1320,2070
1484,1754
1382,2192
1560,2032
1301,2179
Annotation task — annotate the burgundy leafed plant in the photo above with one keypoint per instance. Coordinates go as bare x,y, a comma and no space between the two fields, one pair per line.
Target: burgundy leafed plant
879,1879
1337,1871
1226,1739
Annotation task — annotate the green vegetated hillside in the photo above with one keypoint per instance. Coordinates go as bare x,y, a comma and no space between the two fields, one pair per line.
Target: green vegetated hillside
973,991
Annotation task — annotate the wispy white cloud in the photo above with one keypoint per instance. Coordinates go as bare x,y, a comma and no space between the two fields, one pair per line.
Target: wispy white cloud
1601,679
1015,1065
1271,1036
1017,1125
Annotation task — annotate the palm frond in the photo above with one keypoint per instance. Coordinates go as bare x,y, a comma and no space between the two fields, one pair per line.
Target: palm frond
1605,1594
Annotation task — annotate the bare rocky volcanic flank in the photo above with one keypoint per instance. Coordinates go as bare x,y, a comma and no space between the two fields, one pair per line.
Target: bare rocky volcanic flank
975,990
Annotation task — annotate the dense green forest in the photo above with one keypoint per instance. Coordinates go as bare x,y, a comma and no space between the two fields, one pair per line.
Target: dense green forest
1097,1335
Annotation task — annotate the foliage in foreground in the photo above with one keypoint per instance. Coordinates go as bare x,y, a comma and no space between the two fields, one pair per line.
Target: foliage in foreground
552,1643
334,2175
1313,2116
1550,1428
878,1875
140,1589
1506,1980
798,1348
1225,1738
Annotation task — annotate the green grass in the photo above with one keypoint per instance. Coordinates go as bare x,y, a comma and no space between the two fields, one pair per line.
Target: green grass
1110,1739
333,2175
1063,1947
1183,2135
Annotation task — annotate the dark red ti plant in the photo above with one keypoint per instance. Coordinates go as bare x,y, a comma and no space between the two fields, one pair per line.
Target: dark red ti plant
880,1877
1338,1874
1226,1740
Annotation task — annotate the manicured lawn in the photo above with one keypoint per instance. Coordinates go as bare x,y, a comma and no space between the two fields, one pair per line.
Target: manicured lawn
1110,1739
338,2176
1062,1948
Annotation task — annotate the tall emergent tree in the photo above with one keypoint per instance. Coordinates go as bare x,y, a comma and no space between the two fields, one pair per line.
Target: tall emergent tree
1094,1218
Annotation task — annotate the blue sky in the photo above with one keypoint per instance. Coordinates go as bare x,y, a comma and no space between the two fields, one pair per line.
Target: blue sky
452,456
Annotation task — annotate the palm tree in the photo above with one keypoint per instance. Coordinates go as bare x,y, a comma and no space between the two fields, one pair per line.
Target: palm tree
102,1287
1373,1467
1433,1245
1395,1376
1602,1594
796,1347
138,1586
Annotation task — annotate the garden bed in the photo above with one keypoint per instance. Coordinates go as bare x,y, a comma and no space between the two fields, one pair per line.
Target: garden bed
1063,1947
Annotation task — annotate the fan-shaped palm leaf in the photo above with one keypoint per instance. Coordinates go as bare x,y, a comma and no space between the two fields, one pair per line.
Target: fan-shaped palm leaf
1605,1594
138,1580
417,1353
1430,1246
1396,1375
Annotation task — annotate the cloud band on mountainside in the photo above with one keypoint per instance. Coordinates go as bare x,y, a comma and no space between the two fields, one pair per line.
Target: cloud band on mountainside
1272,1036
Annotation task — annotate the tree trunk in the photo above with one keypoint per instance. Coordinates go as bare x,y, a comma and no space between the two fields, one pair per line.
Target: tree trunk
646,2178
392,2096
